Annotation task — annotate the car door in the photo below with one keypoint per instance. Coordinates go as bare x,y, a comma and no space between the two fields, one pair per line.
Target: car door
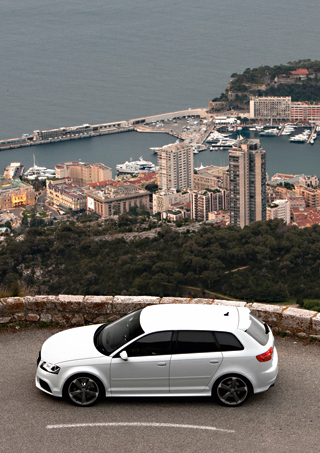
194,362
146,370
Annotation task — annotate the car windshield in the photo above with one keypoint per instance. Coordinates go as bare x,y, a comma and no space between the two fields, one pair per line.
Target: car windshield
110,337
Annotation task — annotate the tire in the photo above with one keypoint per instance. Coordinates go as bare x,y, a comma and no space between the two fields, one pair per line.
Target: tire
232,390
83,390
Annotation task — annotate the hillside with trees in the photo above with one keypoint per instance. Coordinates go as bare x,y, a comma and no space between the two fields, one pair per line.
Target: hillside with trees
266,262
271,81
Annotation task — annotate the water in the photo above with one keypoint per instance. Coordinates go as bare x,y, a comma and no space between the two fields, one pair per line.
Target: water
66,63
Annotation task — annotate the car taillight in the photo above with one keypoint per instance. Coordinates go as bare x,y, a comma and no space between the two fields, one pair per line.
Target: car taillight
266,356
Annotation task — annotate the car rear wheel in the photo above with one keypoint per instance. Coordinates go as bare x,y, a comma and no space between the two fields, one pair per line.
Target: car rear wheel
232,390
83,390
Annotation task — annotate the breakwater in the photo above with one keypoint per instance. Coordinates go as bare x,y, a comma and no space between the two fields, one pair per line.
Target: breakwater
86,131
66,310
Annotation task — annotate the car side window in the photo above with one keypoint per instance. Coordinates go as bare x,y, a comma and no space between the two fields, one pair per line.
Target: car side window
195,341
228,342
158,343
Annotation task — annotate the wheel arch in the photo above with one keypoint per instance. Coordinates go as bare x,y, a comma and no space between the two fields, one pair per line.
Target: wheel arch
86,373
230,373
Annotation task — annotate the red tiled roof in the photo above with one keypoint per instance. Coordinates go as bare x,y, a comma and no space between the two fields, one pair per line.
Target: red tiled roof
300,72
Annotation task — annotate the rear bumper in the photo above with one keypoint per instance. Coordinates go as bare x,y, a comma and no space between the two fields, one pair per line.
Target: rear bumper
268,376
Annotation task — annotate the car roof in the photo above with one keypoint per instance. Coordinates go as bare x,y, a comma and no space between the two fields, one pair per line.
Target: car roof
156,318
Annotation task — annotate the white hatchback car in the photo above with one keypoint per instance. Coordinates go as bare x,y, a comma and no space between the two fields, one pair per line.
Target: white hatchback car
168,350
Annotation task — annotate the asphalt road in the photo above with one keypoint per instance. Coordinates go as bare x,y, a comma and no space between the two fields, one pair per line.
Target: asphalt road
284,419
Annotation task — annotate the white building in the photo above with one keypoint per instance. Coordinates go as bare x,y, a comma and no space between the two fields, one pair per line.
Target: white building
309,181
162,201
279,209
175,164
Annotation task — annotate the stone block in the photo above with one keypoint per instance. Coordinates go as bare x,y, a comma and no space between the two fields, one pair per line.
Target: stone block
63,319
125,304
271,314
40,302
202,301
315,324
176,300
297,320
77,319
14,304
102,319
5,320
230,303
32,317
45,317
3,309
19,316
98,304
69,303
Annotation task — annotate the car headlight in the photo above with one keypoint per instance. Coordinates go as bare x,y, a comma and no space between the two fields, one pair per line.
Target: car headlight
50,367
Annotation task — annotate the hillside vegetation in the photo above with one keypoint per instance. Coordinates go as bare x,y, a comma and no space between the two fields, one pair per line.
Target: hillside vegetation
267,262
252,81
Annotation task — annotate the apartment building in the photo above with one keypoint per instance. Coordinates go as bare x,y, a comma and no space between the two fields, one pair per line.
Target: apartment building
270,107
279,209
162,201
115,198
311,196
205,202
175,164
83,173
211,177
247,173
66,195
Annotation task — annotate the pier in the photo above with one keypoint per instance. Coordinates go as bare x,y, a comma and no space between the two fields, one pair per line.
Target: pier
85,131
314,131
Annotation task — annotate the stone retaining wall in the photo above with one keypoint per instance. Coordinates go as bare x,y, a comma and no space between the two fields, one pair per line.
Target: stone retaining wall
80,310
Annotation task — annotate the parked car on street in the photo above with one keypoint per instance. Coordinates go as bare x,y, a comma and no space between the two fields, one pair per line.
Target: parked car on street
168,350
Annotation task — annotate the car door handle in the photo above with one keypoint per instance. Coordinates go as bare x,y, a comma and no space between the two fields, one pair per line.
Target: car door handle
214,361
161,363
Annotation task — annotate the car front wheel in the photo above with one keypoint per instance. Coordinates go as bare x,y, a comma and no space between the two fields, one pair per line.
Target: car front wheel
83,390
231,390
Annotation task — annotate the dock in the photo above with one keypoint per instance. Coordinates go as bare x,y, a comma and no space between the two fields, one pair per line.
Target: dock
86,131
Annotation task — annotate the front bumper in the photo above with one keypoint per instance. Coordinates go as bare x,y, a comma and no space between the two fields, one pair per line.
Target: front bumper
48,383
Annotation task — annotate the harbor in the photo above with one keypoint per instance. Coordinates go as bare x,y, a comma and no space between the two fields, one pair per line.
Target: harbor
87,131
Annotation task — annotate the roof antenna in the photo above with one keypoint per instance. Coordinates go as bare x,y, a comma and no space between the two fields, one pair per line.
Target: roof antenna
226,314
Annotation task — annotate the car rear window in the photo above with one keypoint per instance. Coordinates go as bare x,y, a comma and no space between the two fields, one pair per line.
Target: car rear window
257,330
228,342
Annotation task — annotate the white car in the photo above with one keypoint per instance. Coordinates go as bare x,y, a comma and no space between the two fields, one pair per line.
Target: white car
169,350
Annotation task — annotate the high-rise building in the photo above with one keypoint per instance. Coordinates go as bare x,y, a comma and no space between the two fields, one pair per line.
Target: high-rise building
247,169
175,164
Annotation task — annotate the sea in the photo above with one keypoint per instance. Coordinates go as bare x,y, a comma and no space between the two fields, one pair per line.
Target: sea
71,62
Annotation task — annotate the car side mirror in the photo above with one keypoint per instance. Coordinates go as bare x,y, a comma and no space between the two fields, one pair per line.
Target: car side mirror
124,355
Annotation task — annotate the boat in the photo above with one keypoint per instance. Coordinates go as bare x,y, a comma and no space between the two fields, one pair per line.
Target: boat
270,132
139,166
36,172
300,138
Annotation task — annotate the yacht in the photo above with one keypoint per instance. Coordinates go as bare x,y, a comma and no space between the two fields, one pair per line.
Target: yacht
138,166
36,172
270,132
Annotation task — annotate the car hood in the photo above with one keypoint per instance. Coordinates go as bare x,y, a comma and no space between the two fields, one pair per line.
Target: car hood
71,344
